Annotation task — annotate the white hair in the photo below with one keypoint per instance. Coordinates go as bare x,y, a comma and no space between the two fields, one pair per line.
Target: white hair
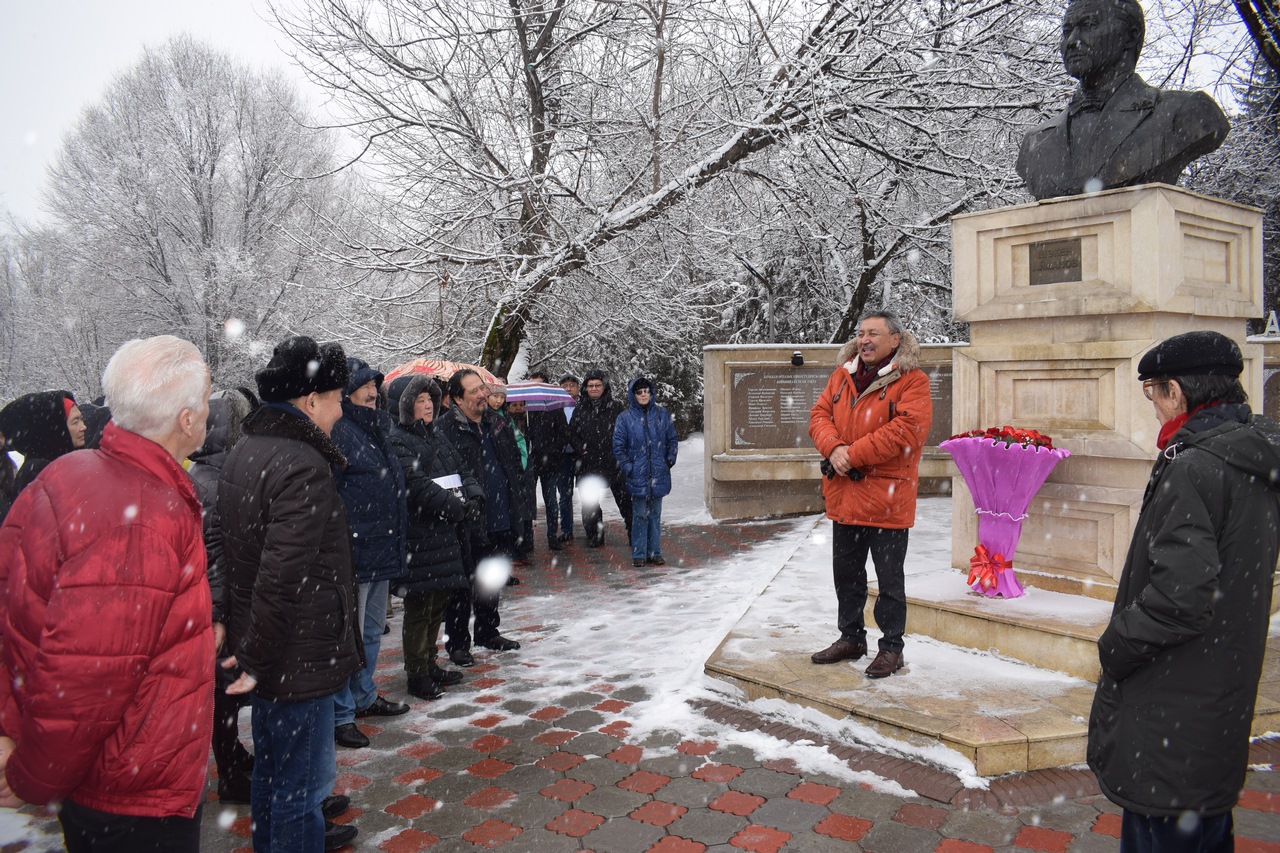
149,381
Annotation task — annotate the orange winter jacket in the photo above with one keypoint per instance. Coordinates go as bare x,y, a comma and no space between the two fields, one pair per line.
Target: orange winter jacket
885,429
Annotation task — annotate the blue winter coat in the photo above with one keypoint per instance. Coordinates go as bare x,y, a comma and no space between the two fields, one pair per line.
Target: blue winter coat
645,445
373,491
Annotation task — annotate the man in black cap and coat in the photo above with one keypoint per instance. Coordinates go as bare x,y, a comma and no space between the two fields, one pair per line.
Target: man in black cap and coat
291,595
1182,655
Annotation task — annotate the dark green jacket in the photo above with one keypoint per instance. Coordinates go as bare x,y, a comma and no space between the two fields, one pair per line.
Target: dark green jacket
1182,656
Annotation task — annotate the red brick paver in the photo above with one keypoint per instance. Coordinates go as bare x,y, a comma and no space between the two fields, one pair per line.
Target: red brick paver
1107,824
491,834
412,806
489,798
626,754
819,795
408,841
719,773
1260,801
676,844
490,743
925,817
489,768
843,826
567,790
561,762
1045,840
658,813
697,747
419,775
644,782
548,714
575,823
488,721
953,845
760,839
556,737
736,803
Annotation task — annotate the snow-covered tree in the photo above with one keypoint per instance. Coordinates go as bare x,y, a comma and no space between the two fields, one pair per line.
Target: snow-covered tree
181,196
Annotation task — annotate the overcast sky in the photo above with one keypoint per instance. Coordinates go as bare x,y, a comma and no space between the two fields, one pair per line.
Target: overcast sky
58,56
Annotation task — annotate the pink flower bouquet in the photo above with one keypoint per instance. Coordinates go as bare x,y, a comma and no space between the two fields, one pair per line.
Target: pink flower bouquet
1003,468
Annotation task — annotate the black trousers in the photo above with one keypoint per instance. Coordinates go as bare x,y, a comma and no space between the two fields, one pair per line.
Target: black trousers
228,753
86,830
850,545
1185,834
484,602
593,517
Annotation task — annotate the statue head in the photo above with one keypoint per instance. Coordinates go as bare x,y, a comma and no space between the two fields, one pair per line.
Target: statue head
1100,36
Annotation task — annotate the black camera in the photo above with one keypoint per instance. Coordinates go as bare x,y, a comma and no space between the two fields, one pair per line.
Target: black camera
829,471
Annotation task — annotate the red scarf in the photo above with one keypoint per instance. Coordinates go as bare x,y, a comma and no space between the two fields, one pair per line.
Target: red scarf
1175,424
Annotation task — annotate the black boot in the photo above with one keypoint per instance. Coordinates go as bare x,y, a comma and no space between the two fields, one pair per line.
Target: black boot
424,687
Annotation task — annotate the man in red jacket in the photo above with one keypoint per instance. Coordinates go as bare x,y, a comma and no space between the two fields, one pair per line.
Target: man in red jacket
106,673
870,423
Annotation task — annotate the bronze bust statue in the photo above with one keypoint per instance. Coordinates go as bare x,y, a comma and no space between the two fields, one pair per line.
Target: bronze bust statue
1116,131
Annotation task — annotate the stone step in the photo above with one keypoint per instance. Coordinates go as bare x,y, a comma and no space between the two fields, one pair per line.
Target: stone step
1002,715
1050,630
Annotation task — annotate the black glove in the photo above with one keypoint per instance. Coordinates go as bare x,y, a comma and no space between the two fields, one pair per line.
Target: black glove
829,471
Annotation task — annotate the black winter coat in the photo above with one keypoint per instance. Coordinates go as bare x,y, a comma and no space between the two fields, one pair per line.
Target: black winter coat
1182,655
291,590
591,434
223,429
435,551
549,443
372,487
36,426
459,431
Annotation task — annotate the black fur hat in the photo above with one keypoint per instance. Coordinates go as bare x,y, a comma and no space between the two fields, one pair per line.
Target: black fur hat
1192,354
298,367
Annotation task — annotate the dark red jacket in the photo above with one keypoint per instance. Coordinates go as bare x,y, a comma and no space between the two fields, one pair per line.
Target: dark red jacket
106,645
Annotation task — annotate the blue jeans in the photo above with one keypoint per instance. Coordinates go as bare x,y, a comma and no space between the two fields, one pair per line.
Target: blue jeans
360,692
293,771
646,520
1188,833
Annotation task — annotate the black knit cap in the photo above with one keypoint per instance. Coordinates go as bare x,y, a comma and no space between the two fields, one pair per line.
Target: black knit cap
299,366
1192,354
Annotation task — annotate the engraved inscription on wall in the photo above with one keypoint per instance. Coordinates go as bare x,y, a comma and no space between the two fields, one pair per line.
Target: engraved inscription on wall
940,391
769,405
1055,261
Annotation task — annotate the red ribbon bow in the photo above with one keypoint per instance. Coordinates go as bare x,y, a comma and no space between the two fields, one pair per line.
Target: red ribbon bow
985,569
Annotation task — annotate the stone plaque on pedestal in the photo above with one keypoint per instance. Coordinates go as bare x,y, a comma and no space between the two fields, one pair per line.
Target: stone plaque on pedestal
1063,297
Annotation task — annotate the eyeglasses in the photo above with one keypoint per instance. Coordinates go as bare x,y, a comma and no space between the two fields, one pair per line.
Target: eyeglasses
1152,383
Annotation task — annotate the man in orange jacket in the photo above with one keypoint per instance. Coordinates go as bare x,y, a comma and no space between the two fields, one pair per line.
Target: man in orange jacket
870,424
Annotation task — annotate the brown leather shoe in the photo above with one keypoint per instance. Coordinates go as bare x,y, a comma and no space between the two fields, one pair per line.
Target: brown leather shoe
840,650
885,664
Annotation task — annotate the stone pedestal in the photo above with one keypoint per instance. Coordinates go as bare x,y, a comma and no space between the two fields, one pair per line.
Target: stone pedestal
1063,297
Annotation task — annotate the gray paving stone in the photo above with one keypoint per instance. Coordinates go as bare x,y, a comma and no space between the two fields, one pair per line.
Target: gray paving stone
589,742
690,793
890,836
868,805
663,738
1066,815
524,751
531,811
707,827
455,711
454,759
622,835
453,819
812,842
521,728
678,764
601,772
1262,780
527,778
538,840
1092,842
519,706
582,721
455,787
738,756
612,802
579,699
631,693
789,815
980,827
763,783
1260,826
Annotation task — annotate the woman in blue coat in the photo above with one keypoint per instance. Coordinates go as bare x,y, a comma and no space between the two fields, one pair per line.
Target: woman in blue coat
645,445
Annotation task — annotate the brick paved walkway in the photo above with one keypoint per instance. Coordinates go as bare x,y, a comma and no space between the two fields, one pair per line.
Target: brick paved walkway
488,767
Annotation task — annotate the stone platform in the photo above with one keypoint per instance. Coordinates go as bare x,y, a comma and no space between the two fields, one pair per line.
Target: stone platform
1006,684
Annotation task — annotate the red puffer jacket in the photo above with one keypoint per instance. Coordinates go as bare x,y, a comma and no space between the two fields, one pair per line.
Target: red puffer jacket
884,428
106,670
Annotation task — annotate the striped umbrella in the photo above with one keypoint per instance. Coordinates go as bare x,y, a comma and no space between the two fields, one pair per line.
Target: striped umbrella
539,396
440,369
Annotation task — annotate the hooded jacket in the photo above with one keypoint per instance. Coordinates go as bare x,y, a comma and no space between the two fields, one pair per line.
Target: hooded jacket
434,548
467,439
1182,655
36,427
107,675
884,427
371,484
224,427
645,445
291,596
591,431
